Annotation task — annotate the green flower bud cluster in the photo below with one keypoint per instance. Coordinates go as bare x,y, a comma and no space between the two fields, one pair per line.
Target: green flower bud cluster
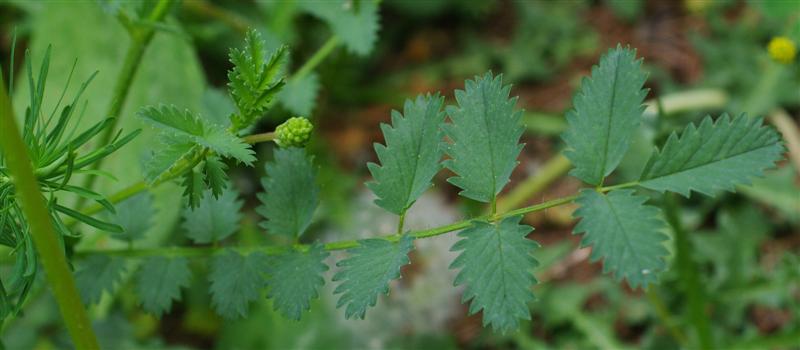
294,132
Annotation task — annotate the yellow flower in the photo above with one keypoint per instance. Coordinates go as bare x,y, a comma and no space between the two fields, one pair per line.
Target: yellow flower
782,49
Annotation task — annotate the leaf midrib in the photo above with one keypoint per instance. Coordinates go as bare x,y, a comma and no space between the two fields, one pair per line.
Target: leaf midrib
710,163
624,233
610,119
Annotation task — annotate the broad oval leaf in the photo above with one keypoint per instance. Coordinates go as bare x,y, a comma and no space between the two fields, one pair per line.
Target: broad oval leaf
236,281
160,281
290,192
214,219
294,280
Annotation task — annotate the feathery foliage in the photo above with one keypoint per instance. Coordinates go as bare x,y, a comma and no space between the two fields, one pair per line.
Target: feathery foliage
411,156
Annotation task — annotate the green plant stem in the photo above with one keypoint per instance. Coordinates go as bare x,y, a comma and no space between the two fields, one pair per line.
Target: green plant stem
338,245
51,253
689,278
140,38
401,222
257,138
316,59
663,314
549,172
208,9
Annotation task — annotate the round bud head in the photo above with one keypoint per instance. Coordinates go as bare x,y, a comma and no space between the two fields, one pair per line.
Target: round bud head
295,132
782,49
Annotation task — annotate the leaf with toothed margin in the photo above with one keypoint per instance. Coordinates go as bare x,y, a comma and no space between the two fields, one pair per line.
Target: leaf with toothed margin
484,136
290,192
624,232
607,111
497,268
411,156
160,282
713,157
99,273
236,281
294,280
368,271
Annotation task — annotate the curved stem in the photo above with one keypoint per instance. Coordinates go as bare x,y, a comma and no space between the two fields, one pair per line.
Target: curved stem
51,253
140,39
338,245
316,59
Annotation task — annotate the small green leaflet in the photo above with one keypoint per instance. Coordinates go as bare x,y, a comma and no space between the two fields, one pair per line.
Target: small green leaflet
214,219
190,128
192,183
368,272
623,232
497,268
290,192
357,26
300,96
160,281
294,280
215,176
254,81
99,273
172,152
236,280
607,111
411,156
133,215
713,157
485,134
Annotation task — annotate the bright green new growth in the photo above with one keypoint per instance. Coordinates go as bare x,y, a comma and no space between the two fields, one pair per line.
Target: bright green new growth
185,127
713,157
290,193
294,279
607,111
623,232
411,156
485,134
236,281
160,281
254,81
294,132
100,273
368,272
213,219
497,268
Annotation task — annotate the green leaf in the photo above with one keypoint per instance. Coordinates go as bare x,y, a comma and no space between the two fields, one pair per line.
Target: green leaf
99,274
607,111
411,156
623,232
214,219
186,127
236,280
86,219
193,188
485,137
134,215
254,82
160,282
497,268
368,272
171,152
294,280
216,178
290,192
357,27
713,157
300,96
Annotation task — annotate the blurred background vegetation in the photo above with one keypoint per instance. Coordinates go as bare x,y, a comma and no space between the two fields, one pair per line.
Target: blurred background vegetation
734,277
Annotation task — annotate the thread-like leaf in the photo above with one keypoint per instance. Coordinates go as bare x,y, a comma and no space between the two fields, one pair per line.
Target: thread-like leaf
214,219
713,157
236,280
484,136
160,281
607,111
497,268
368,272
294,280
290,192
411,156
623,232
